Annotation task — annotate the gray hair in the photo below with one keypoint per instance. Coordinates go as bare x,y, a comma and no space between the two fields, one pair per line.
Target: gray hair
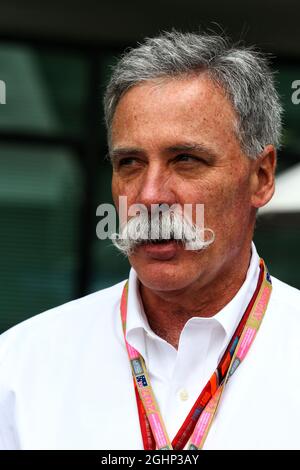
242,72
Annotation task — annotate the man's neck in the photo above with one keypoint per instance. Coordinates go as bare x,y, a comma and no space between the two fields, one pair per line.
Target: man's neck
168,312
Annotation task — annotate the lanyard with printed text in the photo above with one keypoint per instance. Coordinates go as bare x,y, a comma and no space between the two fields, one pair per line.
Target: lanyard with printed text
195,428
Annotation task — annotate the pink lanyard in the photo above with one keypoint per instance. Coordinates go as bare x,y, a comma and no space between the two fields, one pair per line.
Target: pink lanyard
197,424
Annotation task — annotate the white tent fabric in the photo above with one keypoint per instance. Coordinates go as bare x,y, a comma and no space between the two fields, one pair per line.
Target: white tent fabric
287,192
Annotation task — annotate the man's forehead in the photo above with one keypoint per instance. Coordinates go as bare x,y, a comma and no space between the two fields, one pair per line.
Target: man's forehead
167,115
186,103
177,89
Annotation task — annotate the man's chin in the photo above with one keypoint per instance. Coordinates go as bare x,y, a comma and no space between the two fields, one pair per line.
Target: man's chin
165,279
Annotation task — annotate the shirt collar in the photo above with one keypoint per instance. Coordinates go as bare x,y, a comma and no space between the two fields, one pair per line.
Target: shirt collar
238,304
228,318
136,324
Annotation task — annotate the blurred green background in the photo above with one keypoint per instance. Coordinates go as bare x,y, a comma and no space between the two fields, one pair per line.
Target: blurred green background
53,174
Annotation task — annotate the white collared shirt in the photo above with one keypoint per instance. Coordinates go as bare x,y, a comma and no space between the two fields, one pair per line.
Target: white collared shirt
66,383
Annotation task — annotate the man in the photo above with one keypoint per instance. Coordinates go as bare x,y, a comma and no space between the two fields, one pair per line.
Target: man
199,349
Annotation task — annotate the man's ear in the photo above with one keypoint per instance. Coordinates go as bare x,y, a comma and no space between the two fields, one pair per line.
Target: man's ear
263,177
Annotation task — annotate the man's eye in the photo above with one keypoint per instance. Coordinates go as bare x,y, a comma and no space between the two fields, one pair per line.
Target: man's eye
186,158
126,161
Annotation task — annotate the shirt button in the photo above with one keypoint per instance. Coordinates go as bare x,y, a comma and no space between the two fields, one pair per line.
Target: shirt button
183,394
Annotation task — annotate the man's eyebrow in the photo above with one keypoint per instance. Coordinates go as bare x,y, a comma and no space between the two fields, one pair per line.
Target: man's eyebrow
120,152
194,147
202,149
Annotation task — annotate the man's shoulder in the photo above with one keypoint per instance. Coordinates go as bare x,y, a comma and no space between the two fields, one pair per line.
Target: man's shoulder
285,292
72,317
285,298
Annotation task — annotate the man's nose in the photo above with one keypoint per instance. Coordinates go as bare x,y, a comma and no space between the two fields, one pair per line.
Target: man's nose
156,186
